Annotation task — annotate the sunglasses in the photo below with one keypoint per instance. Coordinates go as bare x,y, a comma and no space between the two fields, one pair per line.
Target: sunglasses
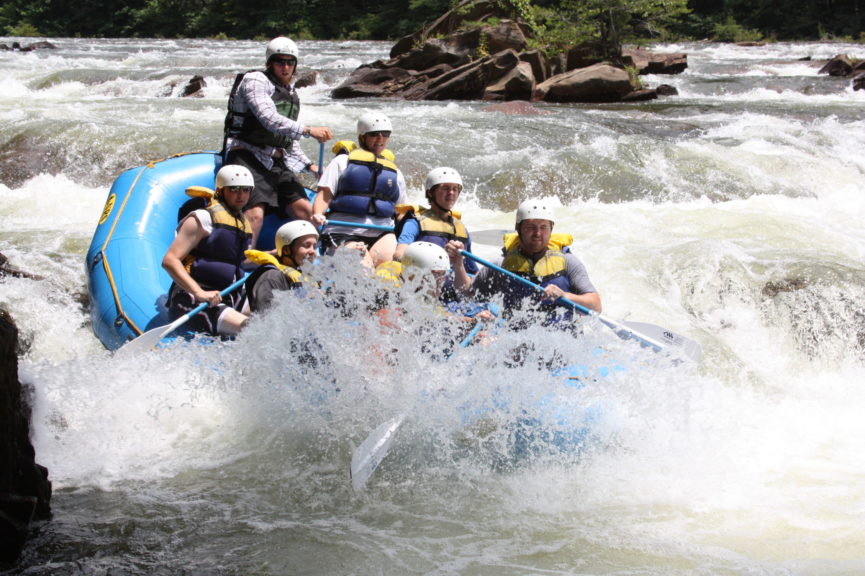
246,189
379,133
284,62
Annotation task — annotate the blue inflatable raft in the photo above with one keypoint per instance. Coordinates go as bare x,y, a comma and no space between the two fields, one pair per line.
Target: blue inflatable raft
127,285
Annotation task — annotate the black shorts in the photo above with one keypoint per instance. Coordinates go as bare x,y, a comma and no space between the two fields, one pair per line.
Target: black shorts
330,242
181,302
276,188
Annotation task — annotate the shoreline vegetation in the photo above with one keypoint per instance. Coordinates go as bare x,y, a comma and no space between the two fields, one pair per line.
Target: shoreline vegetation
607,24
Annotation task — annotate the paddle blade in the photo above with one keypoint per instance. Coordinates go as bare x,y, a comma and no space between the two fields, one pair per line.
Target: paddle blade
688,347
152,337
369,455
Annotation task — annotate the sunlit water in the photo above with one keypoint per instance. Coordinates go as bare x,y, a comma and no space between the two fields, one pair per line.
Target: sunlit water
731,214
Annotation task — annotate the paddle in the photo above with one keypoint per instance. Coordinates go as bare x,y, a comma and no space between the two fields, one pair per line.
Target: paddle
659,341
152,337
361,225
372,451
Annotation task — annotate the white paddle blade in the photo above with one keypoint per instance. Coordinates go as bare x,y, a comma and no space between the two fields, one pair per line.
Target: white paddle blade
369,455
690,348
152,337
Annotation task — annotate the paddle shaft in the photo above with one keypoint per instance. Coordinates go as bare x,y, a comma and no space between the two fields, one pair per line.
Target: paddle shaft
361,225
620,329
152,337
372,451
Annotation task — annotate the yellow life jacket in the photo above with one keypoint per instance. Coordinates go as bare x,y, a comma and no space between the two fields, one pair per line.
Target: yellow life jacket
550,268
262,258
347,146
434,228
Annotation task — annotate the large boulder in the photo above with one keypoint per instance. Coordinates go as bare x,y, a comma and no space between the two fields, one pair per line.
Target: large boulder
598,83
517,84
840,65
25,492
372,81
650,63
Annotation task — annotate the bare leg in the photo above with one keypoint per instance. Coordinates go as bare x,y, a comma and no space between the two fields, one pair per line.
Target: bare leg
382,250
231,322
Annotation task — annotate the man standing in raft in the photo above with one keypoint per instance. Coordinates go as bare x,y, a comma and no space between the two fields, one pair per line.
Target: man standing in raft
361,184
206,255
262,133
295,245
540,256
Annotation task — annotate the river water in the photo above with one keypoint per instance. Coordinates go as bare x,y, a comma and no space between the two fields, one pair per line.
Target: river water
731,214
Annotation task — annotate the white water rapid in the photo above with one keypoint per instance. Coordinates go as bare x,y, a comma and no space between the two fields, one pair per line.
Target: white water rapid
731,214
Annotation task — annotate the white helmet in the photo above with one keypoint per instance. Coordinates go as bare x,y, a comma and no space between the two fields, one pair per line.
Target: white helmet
291,231
426,256
442,175
373,122
534,210
281,45
234,175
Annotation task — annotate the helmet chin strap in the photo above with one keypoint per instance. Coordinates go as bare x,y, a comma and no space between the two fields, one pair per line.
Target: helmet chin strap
433,202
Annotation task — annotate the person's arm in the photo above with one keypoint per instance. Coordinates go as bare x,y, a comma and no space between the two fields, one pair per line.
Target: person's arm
462,281
265,288
323,198
582,291
409,233
326,185
191,232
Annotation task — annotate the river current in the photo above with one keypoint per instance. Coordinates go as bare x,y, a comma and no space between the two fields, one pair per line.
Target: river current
731,214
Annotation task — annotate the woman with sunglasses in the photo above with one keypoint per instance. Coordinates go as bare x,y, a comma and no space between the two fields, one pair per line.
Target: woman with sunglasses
361,184
206,255
262,133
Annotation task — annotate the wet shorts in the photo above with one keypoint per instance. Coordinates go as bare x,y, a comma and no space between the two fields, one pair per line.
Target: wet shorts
330,242
181,302
276,188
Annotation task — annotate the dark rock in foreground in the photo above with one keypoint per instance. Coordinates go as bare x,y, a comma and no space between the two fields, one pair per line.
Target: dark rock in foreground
25,491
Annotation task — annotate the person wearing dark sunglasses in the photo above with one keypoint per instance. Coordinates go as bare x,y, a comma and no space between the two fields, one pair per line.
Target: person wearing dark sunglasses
362,185
262,132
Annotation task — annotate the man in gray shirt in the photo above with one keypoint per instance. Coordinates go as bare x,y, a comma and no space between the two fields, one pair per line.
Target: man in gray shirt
538,255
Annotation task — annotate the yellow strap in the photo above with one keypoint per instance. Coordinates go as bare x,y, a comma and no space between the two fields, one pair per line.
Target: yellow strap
558,240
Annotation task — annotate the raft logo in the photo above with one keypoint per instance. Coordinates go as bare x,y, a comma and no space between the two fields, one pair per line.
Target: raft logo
109,206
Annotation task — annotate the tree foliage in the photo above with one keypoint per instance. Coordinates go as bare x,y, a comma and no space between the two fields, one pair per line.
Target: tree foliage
558,22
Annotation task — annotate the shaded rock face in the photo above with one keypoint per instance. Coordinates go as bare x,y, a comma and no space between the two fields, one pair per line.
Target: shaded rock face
41,45
649,63
194,87
843,66
25,491
840,65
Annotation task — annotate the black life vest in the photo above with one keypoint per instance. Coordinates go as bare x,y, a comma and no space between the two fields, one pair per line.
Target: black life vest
244,125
